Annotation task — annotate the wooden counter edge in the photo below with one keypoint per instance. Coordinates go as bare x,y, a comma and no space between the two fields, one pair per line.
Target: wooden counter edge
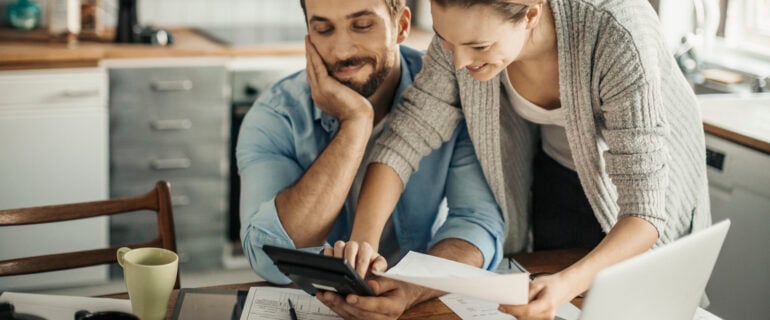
738,138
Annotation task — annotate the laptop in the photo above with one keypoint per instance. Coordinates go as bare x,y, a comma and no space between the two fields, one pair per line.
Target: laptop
665,283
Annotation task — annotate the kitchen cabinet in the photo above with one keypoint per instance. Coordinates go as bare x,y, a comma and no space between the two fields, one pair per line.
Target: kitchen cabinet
53,133
169,120
739,180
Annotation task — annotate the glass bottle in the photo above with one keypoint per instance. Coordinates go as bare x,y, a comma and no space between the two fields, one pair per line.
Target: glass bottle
65,20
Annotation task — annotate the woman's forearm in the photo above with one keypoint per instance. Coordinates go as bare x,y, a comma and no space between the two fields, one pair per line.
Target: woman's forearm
629,237
380,192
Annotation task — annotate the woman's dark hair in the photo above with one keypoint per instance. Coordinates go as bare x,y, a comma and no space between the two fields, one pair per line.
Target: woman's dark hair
394,7
512,10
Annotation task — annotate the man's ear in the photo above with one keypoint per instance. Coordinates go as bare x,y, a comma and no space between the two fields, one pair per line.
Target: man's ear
404,24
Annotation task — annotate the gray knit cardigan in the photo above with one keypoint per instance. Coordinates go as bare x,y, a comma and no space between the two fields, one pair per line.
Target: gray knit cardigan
632,121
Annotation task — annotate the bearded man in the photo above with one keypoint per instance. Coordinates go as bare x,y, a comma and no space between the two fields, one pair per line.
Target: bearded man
301,147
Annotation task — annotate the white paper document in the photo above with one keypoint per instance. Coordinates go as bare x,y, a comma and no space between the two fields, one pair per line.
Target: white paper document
471,308
54,307
454,277
268,303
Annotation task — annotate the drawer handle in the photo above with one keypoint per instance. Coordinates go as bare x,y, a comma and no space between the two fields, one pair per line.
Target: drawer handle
172,85
72,93
171,125
171,164
180,200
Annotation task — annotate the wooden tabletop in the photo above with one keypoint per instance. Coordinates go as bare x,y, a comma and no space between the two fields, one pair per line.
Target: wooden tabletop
546,261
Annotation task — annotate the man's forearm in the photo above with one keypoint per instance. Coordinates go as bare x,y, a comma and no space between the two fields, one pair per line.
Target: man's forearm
452,249
308,208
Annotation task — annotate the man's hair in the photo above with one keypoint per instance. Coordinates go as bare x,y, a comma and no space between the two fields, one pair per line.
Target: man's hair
394,7
512,10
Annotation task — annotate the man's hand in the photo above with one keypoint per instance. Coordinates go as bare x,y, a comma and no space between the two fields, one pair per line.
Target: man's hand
546,295
330,95
391,300
360,256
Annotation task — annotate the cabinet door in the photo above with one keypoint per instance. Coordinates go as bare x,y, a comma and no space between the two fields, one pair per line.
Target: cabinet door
53,153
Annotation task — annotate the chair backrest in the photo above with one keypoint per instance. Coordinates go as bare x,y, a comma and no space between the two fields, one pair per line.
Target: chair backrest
157,200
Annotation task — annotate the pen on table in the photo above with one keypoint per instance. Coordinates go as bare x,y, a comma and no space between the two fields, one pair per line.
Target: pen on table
292,312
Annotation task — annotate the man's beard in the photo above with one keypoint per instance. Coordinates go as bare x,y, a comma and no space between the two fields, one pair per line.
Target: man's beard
370,86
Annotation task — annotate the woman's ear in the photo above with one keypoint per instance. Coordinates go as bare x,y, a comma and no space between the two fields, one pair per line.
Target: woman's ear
404,24
534,13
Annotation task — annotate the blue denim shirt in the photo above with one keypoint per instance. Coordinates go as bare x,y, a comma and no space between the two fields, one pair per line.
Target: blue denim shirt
284,133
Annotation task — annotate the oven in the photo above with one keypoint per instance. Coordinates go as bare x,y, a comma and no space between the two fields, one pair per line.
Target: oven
250,77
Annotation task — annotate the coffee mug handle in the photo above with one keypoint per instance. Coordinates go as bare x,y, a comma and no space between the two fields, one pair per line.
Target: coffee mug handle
122,252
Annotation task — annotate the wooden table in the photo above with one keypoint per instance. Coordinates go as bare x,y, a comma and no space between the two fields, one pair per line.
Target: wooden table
546,261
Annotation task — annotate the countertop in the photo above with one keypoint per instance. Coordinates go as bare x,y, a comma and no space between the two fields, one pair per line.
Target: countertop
35,50
744,119
727,117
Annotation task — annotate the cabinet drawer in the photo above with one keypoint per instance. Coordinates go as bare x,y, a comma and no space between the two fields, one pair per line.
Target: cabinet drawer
135,164
175,90
50,88
169,128
199,209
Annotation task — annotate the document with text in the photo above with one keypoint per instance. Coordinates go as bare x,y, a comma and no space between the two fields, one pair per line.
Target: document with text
269,303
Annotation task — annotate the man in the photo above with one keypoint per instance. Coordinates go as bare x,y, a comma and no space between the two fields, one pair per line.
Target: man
301,147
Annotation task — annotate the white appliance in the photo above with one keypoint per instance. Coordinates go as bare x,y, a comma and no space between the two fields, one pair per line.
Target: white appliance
53,142
739,185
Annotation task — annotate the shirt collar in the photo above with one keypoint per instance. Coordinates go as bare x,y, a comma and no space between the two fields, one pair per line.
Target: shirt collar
408,71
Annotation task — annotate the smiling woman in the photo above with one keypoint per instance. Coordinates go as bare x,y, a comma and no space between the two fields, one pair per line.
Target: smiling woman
588,134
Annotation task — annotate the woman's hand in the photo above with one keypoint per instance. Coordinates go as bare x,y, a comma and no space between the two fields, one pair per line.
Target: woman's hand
360,256
546,295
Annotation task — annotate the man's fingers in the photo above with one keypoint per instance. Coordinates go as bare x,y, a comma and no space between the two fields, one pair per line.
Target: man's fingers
384,285
309,65
339,249
314,59
328,251
335,303
347,310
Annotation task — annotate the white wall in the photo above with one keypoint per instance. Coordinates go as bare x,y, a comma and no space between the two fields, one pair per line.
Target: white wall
198,12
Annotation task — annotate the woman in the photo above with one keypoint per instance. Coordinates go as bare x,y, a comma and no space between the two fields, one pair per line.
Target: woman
577,111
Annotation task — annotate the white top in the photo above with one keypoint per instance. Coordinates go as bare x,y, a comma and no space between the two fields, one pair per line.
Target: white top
551,122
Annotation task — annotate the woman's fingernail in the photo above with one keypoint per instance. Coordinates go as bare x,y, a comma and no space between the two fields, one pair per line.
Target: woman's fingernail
352,299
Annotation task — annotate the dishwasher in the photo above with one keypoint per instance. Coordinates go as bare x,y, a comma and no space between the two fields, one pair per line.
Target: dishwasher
739,186
53,133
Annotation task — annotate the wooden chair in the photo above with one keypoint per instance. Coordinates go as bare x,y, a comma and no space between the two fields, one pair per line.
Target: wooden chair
158,200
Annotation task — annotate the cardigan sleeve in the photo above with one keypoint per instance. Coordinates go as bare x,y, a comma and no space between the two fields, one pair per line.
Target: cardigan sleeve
426,118
634,124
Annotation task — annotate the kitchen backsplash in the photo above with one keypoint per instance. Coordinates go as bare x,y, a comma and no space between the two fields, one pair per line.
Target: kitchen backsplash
198,12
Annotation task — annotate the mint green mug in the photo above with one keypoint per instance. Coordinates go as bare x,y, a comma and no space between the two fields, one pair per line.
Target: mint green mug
150,274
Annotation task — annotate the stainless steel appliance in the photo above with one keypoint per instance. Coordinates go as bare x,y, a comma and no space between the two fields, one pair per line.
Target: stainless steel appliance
250,77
